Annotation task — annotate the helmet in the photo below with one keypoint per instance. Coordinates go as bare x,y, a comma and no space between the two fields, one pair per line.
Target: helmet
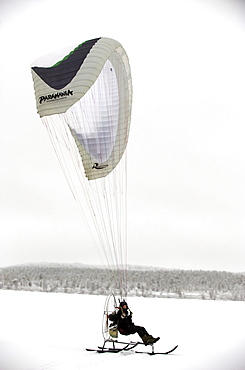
123,303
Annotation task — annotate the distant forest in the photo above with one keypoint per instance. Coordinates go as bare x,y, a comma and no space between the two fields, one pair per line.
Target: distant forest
146,282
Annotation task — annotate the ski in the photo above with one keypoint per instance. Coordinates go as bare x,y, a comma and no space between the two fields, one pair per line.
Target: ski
158,353
117,350
127,347
112,350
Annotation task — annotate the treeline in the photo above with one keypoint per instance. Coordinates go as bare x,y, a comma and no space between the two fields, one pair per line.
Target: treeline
81,279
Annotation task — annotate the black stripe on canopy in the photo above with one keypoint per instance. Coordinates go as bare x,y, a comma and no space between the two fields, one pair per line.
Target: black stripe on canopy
62,73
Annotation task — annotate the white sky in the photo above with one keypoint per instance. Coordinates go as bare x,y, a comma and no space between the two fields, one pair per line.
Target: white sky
186,154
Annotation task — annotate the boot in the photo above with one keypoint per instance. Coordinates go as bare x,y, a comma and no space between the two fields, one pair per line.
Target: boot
152,340
145,339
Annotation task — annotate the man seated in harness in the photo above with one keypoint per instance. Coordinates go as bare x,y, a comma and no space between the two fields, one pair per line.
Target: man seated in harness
123,320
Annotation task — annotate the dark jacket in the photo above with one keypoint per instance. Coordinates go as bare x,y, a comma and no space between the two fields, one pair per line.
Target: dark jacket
123,320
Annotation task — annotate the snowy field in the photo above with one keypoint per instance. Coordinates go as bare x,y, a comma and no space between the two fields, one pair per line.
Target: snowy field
46,331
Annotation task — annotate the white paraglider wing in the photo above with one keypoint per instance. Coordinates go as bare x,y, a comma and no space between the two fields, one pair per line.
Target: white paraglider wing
90,89
84,98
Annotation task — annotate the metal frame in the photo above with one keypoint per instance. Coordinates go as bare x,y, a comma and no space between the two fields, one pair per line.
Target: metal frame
124,346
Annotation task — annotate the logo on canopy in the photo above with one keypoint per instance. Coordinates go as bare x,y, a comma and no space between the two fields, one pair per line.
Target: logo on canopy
58,95
98,166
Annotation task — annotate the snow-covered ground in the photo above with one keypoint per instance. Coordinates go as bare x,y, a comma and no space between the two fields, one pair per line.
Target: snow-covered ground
51,331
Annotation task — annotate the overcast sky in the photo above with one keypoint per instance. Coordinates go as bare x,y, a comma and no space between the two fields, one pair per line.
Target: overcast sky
186,153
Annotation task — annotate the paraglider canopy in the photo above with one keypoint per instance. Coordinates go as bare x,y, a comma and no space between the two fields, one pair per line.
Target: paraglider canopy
84,98
91,87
